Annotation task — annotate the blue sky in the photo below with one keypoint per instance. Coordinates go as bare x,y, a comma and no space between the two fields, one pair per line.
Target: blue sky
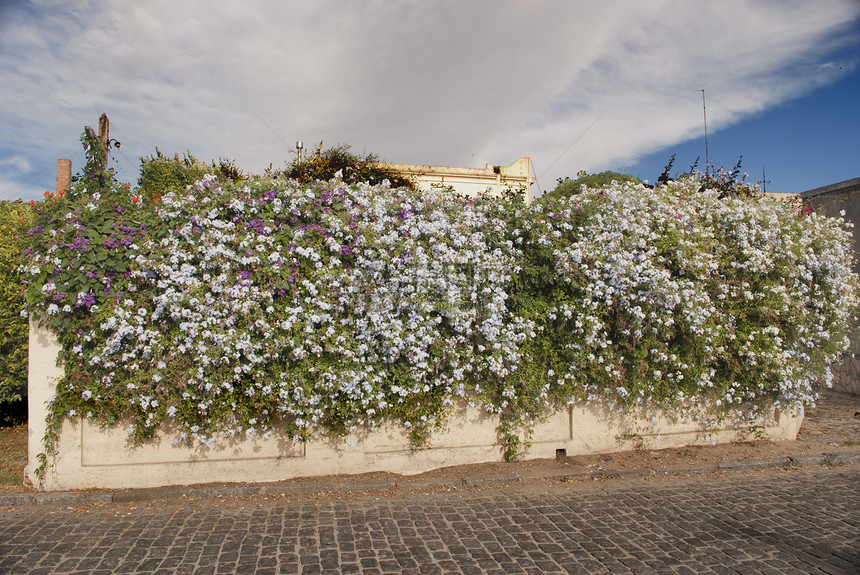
802,144
575,85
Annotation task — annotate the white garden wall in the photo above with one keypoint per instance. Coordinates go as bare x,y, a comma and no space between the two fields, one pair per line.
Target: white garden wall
90,457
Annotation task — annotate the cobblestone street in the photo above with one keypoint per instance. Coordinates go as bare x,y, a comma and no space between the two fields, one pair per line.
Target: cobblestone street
780,522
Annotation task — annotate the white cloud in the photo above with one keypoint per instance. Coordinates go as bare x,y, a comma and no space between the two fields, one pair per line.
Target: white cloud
17,161
646,85
13,190
446,82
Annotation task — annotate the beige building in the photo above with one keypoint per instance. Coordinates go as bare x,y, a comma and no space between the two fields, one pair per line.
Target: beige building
470,181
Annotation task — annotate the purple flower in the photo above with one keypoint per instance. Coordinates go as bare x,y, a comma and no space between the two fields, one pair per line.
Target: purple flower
88,300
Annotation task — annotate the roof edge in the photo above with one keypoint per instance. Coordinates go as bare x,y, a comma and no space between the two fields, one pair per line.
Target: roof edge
838,186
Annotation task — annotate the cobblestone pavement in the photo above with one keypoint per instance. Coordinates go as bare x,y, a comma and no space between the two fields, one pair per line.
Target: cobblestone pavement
780,522
835,418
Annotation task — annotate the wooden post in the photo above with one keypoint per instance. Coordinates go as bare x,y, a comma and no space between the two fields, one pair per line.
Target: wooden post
64,175
104,136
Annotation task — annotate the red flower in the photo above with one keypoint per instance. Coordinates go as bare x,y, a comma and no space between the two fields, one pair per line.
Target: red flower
49,194
126,186
135,199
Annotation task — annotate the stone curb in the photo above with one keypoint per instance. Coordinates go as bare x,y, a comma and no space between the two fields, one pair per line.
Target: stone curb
841,458
473,481
741,465
804,460
78,498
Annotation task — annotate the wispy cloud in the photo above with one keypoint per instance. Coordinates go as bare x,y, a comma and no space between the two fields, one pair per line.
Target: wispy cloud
18,162
458,83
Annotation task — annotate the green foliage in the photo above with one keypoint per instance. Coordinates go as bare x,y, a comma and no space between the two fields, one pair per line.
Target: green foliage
326,164
567,187
728,183
227,169
160,174
15,219
95,176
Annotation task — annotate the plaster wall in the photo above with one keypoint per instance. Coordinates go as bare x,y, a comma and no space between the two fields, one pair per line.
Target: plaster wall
92,457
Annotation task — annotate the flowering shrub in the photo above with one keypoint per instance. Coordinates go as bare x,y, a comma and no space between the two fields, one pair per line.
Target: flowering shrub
15,220
679,296
233,307
323,164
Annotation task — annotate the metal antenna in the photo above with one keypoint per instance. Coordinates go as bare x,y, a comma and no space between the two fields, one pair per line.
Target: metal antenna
705,116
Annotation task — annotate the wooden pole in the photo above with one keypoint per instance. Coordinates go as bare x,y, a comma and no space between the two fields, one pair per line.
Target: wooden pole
104,136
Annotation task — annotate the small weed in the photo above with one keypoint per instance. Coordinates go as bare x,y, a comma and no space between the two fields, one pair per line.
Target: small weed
636,438
8,478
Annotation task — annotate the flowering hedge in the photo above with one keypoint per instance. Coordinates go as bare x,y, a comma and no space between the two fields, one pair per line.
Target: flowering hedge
332,307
